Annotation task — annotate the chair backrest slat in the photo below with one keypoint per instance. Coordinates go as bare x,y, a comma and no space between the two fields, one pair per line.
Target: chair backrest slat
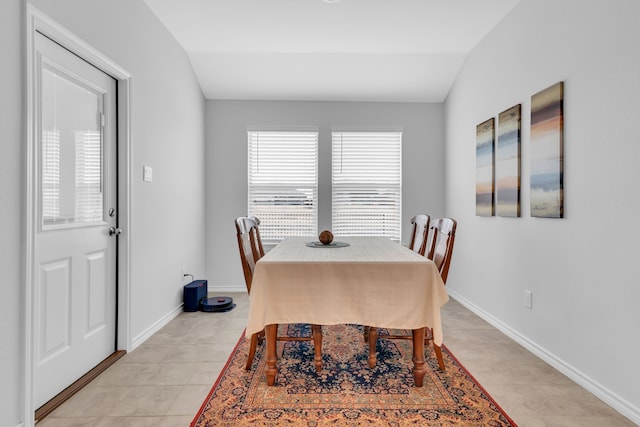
420,232
257,236
441,248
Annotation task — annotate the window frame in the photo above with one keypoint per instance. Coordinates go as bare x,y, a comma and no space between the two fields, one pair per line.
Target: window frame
282,196
363,155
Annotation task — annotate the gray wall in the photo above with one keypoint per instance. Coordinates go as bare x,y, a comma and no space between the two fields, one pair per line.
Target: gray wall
582,269
11,190
227,122
167,133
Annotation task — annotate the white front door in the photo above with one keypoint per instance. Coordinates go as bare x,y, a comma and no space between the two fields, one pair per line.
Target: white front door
75,242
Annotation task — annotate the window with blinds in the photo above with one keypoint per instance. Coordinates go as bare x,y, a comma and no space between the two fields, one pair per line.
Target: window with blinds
283,183
366,184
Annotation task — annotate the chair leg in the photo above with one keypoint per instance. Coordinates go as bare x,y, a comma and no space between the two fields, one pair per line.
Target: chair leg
252,349
428,336
316,330
438,352
373,339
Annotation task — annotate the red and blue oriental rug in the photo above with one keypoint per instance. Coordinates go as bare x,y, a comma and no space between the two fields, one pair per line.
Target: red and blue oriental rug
347,392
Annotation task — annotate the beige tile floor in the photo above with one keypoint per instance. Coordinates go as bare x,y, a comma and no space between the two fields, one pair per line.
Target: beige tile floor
164,381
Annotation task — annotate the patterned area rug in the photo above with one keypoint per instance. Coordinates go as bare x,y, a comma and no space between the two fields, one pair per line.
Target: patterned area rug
347,392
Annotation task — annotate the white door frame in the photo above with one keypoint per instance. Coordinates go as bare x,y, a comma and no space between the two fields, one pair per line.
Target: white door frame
39,22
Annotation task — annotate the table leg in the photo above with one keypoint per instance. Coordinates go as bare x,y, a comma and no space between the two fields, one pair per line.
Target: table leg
419,368
271,333
373,340
317,344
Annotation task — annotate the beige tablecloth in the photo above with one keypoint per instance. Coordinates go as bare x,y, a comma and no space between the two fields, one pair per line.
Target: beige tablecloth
373,281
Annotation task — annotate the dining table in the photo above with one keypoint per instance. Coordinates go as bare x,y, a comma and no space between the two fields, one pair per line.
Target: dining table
370,281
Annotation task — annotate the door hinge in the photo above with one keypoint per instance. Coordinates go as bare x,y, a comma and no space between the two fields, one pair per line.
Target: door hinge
102,119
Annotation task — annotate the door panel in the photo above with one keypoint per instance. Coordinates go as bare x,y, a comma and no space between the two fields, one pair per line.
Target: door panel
96,267
55,289
75,303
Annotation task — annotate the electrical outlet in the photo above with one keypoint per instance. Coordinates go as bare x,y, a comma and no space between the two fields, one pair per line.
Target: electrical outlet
528,299
185,275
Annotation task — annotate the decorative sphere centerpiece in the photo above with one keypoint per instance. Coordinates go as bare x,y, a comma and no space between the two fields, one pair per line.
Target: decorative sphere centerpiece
326,237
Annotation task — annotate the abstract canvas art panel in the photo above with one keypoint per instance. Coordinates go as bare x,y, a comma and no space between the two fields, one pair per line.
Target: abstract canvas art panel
507,184
485,136
547,152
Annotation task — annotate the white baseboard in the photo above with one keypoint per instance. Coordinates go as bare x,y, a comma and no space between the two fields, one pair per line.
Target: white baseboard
147,333
609,397
218,289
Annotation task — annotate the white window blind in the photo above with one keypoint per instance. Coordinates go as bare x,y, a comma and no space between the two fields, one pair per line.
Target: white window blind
88,207
366,184
50,176
283,183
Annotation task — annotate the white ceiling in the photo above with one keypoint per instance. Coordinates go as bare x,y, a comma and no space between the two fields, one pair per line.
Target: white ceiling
327,50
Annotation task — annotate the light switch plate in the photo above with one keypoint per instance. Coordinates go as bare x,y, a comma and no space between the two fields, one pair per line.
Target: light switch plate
147,174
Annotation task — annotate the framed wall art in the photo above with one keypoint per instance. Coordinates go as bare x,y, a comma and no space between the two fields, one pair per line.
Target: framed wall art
547,129
485,136
507,163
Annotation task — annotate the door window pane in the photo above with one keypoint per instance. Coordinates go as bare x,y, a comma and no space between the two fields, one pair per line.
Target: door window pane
70,152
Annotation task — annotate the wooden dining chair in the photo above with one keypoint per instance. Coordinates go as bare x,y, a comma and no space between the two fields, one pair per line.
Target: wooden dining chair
251,250
443,233
418,244
247,234
420,231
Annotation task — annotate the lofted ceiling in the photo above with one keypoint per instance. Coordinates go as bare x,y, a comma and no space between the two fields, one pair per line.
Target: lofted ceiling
329,50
